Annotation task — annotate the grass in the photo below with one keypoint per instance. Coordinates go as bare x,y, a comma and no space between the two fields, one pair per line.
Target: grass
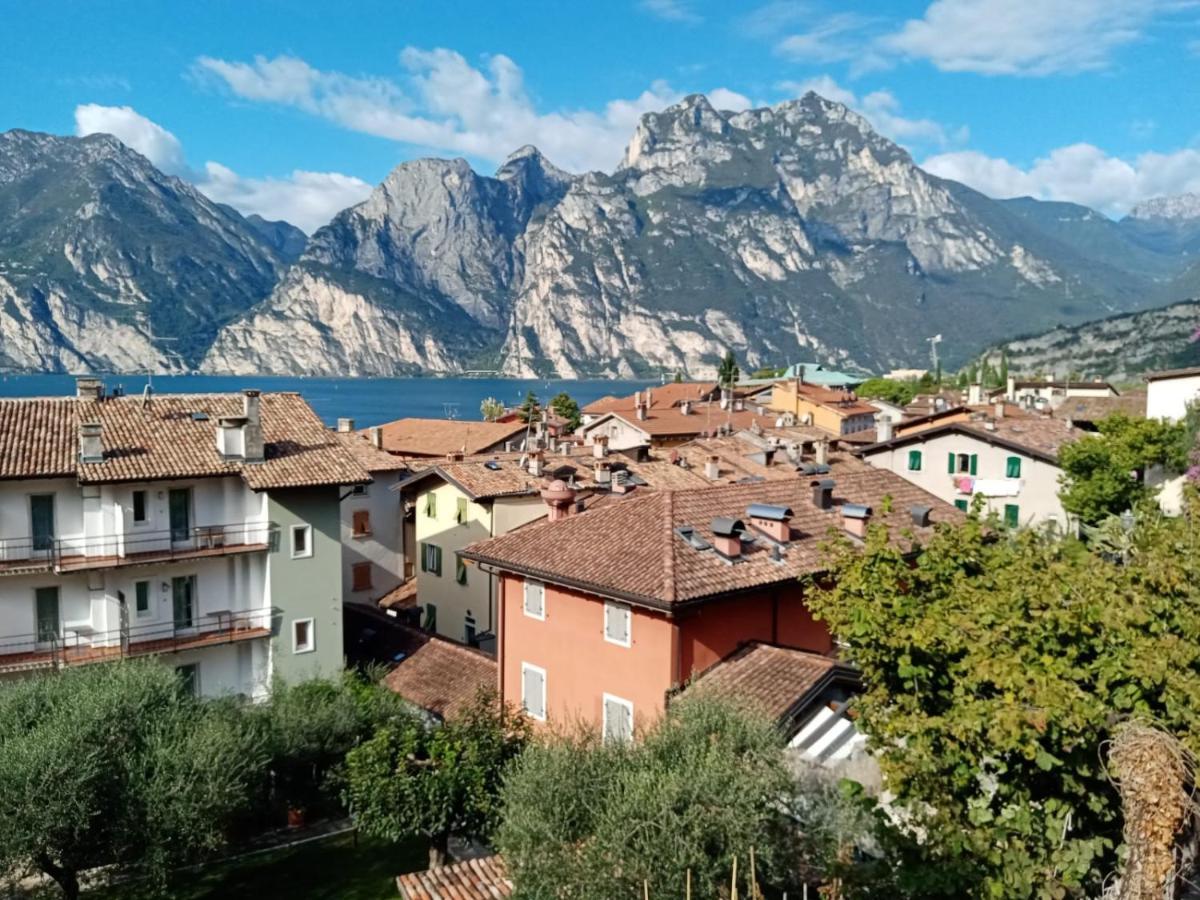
334,869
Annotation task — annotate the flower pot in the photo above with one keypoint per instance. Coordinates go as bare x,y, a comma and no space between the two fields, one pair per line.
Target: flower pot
296,817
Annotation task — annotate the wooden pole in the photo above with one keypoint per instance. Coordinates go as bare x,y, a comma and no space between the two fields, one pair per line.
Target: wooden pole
753,880
733,893
645,889
688,887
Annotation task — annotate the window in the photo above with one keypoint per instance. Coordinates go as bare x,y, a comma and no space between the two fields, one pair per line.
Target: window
914,460
431,505
430,617
360,575
141,598
189,679
962,504
359,490
535,599
533,691
963,464
618,619
469,629
139,507
460,571
1012,515
301,541
1013,467
431,558
304,639
460,513
361,520
618,719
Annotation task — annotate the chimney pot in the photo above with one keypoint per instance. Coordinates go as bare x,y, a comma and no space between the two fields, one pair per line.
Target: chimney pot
559,498
883,429
253,449
376,434
727,536
920,515
345,426
600,446
602,474
712,468
855,518
822,493
822,452
89,388
91,443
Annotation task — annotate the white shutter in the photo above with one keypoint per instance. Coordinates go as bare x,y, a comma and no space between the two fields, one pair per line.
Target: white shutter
618,719
535,599
617,623
533,691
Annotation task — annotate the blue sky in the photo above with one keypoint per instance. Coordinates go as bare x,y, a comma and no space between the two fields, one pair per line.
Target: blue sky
295,109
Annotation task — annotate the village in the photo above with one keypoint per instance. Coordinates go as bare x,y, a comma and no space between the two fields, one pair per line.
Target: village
588,571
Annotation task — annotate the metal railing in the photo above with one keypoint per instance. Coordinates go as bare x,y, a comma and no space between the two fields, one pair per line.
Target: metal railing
75,644
61,554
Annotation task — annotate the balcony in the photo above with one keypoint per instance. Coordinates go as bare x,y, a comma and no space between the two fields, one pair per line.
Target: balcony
80,645
31,555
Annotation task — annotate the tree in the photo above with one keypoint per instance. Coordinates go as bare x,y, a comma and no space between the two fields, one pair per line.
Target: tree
1003,374
113,765
1104,473
727,371
529,408
899,392
491,409
411,779
705,783
996,669
565,407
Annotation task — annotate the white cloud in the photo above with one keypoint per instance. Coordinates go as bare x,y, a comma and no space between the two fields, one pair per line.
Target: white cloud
1079,173
723,98
882,109
1024,37
306,199
446,104
133,130
834,39
672,11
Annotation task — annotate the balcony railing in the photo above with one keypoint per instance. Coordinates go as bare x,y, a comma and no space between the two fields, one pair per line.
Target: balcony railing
80,644
134,547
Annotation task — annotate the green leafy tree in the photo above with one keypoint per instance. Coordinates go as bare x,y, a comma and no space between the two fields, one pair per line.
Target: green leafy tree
112,765
705,783
727,371
411,779
564,406
529,408
678,379
491,409
898,392
1104,473
996,669
1002,376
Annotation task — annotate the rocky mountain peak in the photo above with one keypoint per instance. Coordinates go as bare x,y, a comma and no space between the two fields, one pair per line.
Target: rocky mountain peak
1179,207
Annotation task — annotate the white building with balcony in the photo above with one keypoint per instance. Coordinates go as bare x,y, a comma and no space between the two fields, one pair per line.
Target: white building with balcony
202,529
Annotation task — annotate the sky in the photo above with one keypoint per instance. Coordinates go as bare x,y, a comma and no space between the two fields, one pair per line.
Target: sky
294,110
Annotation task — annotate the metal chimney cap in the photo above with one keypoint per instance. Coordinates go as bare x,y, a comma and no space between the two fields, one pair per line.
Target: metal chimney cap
726,526
767,511
856,511
920,515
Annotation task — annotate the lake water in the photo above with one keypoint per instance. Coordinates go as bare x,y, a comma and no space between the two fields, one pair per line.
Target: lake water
369,401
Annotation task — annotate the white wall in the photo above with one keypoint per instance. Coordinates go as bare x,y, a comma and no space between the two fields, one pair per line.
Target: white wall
384,547
1168,398
621,434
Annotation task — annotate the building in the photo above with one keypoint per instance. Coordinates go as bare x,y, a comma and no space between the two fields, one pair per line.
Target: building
1088,412
664,396
1052,393
1011,460
602,616
199,528
1169,392
435,438
483,878
443,678
375,544
667,426
838,412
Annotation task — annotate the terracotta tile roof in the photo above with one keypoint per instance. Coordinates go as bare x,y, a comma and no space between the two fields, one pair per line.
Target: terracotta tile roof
368,455
472,879
438,437
1093,409
704,418
440,675
631,550
1062,385
403,596
842,403
661,397
172,436
1036,435
772,679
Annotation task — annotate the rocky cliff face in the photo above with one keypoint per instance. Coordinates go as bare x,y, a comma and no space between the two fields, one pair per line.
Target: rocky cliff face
107,264
789,232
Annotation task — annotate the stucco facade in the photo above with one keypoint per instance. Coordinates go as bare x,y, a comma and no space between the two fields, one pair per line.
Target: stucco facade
1167,397
374,557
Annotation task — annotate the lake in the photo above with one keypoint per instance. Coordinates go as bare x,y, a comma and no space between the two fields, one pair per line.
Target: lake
369,401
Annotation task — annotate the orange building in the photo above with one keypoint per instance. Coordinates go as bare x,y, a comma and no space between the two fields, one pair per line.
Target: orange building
605,614
835,411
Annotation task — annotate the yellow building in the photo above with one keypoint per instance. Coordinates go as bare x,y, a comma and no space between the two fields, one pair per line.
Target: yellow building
835,411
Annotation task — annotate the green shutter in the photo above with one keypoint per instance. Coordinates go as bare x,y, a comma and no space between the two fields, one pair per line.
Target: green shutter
1012,515
437,559
460,572
1014,467
461,512
950,464
914,460
961,504
974,464
431,505
421,551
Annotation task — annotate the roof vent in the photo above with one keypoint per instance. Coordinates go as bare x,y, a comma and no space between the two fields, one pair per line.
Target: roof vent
773,521
920,515
855,518
822,493
727,536
493,464
688,533
199,416
345,426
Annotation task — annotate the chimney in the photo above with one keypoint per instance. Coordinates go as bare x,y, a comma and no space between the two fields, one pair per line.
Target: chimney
724,399
727,536
855,518
998,412
1010,388
559,498
739,405
620,482
600,446
883,429
920,515
231,437
822,452
345,426
252,435
454,456
712,468
375,432
641,404
91,446
602,474
974,394
89,388
773,521
536,459
822,493
685,408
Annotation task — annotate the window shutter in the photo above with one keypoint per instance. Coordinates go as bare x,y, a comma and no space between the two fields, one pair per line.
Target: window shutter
437,560
1014,467
533,692
462,510
962,504
361,577
424,553
914,460
362,521
950,464
618,720
974,464
460,573
535,599
616,622
1012,515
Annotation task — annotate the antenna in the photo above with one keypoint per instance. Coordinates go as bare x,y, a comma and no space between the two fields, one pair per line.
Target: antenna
154,339
449,410
933,345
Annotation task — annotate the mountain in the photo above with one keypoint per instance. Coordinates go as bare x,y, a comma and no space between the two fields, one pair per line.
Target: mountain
1117,347
283,237
108,264
787,232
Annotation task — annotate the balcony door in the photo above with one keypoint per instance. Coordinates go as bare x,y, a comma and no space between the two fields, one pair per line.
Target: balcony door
47,614
183,599
179,508
41,522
